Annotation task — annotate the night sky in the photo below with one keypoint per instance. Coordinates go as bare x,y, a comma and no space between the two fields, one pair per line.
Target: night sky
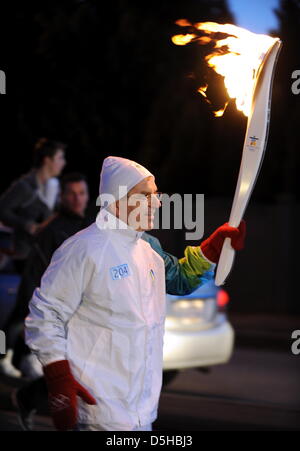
255,15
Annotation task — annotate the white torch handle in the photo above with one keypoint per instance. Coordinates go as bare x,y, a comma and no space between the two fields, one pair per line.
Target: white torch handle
227,254
225,262
253,152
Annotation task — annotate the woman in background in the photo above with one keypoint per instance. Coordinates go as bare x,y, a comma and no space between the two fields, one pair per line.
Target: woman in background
27,206
29,202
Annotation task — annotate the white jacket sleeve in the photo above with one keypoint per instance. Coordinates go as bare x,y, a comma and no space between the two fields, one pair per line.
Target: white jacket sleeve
58,297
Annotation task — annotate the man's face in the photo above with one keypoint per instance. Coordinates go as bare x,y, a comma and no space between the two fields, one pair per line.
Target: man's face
137,209
75,197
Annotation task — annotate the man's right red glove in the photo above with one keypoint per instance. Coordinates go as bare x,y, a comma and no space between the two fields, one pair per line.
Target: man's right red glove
212,246
63,390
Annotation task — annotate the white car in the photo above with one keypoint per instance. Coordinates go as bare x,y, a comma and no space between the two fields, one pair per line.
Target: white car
197,331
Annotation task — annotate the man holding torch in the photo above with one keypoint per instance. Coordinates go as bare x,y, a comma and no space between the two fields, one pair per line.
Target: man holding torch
97,321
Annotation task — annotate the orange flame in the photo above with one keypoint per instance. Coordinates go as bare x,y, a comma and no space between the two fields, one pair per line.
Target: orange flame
220,113
236,57
183,39
202,90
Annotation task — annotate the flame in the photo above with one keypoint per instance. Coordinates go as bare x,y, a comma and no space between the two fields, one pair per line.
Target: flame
202,90
220,113
236,57
183,39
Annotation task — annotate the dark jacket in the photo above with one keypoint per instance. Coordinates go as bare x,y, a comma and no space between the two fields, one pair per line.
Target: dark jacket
64,225
20,205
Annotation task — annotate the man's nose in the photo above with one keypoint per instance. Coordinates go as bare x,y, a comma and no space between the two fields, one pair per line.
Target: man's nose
156,202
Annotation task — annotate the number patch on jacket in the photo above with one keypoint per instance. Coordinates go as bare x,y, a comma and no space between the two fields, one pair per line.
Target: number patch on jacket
119,272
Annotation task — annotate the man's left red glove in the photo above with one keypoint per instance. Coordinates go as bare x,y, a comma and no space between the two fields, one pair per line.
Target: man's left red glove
212,247
63,390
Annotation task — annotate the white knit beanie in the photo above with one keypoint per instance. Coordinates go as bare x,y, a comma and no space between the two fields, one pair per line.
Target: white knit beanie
118,176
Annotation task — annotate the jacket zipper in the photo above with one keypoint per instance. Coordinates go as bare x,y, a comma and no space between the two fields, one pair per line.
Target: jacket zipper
145,354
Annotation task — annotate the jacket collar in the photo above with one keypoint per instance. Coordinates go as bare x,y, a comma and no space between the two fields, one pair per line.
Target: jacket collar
107,221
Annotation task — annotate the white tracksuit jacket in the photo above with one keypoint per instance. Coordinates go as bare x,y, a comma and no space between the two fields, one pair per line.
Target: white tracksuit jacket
101,306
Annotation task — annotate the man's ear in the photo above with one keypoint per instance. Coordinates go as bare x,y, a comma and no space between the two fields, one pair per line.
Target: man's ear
113,208
117,208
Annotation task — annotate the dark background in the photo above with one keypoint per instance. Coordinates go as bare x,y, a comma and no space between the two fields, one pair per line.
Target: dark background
106,79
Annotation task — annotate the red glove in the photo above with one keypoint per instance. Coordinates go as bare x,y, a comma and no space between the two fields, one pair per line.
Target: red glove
63,391
212,247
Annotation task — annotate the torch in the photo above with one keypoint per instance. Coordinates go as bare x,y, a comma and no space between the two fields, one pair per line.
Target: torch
253,151
247,62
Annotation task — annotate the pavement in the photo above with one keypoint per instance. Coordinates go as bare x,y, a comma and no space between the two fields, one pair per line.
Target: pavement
264,331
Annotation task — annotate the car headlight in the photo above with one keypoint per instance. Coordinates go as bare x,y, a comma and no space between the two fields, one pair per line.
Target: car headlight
185,314
184,305
173,322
